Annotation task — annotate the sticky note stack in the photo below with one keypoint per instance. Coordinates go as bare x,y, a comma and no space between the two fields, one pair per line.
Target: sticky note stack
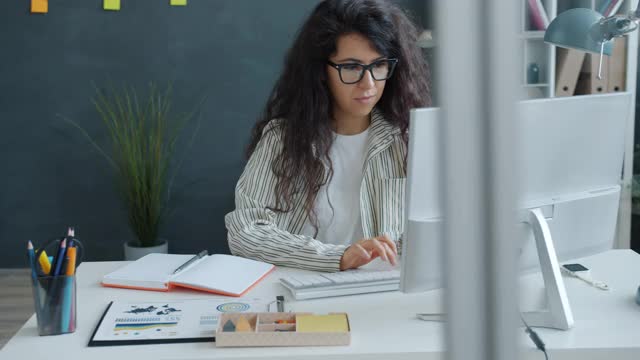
111,5
322,323
40,6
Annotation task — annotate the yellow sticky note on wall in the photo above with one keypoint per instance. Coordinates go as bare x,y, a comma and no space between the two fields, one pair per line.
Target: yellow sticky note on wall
322,323
40,6
178,2
111,4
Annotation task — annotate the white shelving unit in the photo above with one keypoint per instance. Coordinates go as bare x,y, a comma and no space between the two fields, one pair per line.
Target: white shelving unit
537,53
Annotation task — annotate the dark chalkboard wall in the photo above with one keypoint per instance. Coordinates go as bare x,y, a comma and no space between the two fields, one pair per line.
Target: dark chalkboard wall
50,177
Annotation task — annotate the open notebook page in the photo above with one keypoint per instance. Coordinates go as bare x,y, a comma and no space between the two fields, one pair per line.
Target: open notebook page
150,271
225,273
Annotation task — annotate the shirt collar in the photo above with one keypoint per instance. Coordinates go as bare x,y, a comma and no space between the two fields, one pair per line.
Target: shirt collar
381,133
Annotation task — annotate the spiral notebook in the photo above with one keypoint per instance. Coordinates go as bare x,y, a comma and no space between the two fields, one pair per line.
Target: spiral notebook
218,273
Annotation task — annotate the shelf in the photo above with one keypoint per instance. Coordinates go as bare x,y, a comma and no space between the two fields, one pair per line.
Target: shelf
537,34
536,85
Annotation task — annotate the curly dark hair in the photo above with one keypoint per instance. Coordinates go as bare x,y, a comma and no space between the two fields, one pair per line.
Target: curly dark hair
302,100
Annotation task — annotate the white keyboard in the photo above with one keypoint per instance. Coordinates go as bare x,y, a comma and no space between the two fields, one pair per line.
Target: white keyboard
320,285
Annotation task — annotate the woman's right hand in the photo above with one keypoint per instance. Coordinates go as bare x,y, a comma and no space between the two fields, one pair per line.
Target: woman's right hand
364,251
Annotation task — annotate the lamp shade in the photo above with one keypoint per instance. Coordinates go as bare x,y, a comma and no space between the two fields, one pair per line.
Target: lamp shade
579,29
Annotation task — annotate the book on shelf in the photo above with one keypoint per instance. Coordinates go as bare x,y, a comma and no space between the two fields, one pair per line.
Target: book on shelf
537,15
610,7
602,9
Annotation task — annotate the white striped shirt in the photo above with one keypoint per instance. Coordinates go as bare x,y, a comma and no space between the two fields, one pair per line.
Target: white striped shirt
258,233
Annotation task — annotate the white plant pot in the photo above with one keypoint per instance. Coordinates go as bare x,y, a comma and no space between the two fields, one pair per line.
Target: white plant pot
135,252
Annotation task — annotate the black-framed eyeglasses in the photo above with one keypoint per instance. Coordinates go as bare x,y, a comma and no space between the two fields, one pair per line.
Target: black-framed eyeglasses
351,73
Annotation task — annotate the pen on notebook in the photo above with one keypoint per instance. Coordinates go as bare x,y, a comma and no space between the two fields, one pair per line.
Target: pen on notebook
202,254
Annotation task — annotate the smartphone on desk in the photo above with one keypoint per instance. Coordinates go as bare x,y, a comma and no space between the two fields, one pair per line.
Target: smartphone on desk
575,267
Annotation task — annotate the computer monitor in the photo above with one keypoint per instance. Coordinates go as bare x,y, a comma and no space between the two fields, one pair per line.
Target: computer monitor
570,151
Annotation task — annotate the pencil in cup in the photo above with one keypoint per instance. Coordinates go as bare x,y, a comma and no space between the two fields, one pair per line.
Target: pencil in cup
65,301
68,298
34,277
55,289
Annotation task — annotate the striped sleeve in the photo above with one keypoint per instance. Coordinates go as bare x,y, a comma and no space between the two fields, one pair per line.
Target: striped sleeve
253,229
399,150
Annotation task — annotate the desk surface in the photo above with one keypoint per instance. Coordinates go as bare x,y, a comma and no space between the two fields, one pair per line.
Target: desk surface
607,323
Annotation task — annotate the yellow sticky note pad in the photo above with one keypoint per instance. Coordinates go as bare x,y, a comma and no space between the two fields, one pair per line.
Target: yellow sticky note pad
178,2
111,4
40,6
322,323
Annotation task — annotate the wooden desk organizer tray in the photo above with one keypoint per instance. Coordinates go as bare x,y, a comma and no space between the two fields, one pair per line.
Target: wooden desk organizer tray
282,329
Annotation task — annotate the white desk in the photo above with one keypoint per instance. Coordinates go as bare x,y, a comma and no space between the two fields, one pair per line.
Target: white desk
607,324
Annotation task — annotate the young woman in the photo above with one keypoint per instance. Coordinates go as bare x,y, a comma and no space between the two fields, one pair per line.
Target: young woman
324,185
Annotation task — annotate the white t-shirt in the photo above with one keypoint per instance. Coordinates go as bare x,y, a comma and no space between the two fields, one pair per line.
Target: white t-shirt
343,224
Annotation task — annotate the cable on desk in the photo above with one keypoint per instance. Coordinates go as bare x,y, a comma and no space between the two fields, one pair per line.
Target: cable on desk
535,338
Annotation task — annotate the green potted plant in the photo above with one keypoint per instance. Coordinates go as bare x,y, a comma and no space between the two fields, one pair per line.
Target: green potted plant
143,136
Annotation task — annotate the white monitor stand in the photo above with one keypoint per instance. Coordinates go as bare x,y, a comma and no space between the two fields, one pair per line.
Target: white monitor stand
424,274
558,314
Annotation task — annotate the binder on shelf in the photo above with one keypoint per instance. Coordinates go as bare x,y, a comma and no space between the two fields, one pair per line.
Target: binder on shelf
617,66
568,68
588,82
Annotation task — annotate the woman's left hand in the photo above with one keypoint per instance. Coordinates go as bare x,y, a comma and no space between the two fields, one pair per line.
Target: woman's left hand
365,250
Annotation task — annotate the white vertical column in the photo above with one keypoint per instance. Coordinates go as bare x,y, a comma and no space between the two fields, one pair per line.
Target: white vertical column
478,59
623,236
